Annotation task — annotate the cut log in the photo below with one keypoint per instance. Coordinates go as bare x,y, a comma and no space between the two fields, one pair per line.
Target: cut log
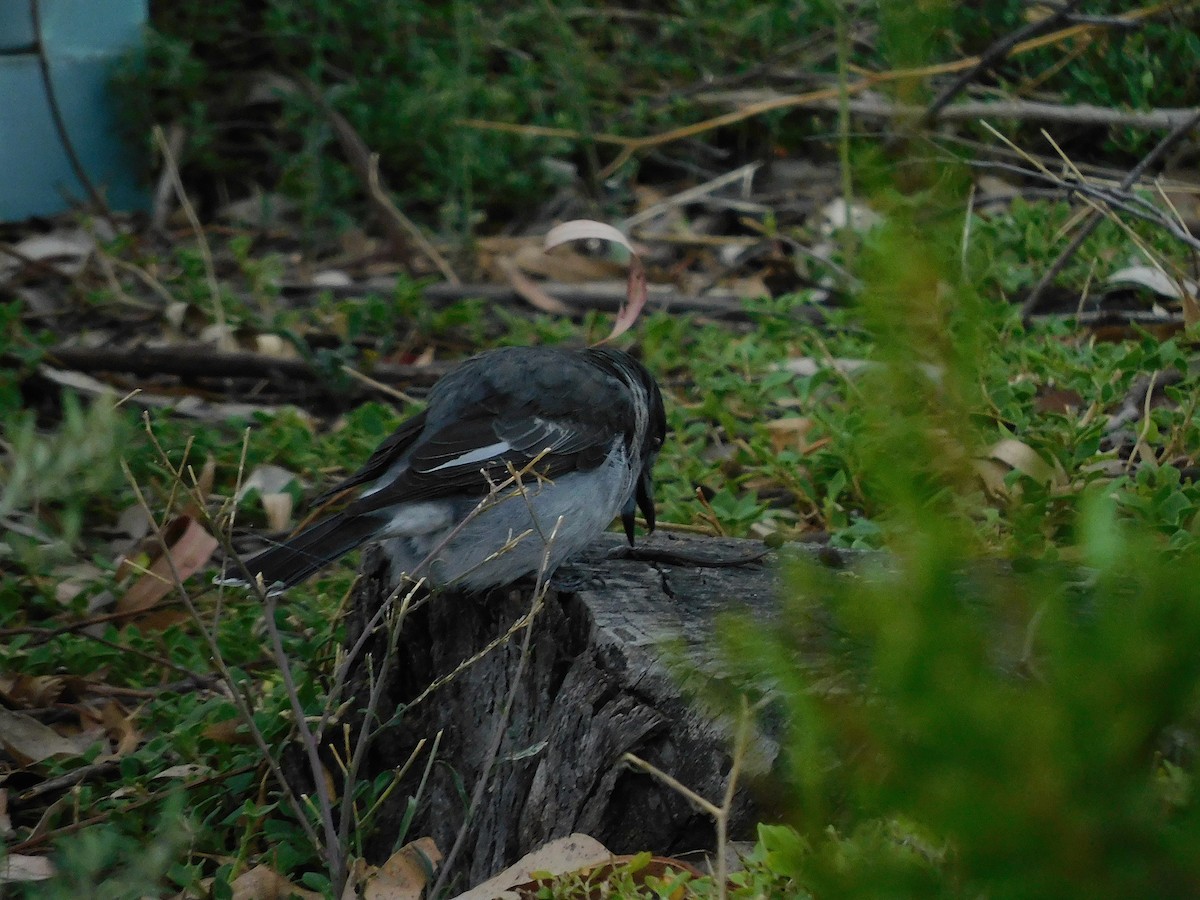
596,686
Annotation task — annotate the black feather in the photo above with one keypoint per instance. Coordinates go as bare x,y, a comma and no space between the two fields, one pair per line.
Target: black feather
290,562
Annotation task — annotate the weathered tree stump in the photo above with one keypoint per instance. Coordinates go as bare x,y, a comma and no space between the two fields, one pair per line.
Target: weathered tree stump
594,688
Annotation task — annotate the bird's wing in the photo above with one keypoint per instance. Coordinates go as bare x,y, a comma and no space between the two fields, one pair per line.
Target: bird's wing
385,456
453,460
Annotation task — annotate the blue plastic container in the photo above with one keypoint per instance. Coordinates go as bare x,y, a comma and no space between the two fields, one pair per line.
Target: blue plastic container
83,38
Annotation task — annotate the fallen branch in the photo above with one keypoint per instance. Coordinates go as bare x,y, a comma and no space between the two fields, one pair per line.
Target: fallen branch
996,54
1116,198
1093,218
1020,110
631,145
580,298
400,228
202,361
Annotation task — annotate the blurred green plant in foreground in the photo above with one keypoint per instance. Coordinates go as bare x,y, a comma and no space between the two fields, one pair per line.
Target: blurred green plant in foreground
977,727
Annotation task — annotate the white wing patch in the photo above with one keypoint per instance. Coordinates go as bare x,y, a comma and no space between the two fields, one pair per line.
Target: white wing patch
479,454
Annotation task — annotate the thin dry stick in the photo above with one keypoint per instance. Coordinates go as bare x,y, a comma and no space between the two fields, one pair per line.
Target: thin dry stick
366,166
720,814
333,850
1140,444
1158,118
1100,198
966,232
394,393
996,54
742,173
367,734
631,145
1030,306
161,205
335,856
243,704
210,271
381,198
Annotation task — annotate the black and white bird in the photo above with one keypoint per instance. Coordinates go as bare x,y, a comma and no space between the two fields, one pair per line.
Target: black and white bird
584,426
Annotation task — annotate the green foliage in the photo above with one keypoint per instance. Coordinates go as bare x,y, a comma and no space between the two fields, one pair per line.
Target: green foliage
1017,712
116,862
405,74
48,479
1136,68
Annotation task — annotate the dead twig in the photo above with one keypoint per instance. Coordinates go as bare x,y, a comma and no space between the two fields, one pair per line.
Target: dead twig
743,174
399,227
631,145
171,168
164,189
201,361
1156,119
384,201
243,703
1098,197
1092,219
996,54
720,814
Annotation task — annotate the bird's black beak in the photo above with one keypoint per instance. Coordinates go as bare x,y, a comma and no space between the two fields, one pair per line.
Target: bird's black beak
643,499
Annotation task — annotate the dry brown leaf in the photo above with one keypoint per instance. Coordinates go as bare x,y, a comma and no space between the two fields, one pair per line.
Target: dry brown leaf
266,479
228,731
31,691
564,266
530,291
402,877
189,552
636,290
1057,400
992,474
270,482
184,770
67,249
17,867
1154,279
118,725
29,741
531,258
663,868
278,508
1020,456
567,854
262,883
789,433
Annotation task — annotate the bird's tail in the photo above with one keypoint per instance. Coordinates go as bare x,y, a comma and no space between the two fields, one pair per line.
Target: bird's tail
290,562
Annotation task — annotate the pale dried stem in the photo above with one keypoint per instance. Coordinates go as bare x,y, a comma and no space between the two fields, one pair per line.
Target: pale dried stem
210,271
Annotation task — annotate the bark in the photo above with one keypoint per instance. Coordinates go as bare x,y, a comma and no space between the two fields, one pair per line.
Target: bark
596,686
